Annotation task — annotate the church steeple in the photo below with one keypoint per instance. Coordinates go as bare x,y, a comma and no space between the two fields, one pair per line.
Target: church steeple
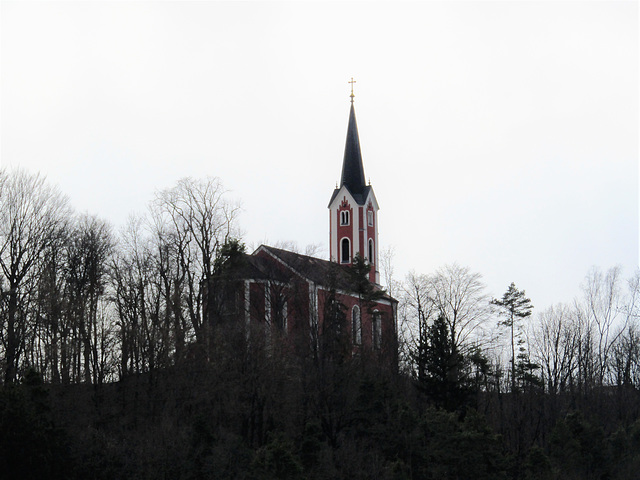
352,168
353,208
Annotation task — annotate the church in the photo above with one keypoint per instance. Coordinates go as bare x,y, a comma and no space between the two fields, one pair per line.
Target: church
291,292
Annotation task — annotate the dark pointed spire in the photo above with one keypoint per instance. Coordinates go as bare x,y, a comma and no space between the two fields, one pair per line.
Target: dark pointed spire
352,168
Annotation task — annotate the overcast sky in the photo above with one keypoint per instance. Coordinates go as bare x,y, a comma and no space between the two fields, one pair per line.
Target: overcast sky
499,135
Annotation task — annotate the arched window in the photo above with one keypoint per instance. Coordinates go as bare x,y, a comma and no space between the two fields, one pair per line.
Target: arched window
376,325
370,218
371,259
344,217
345,251
356,325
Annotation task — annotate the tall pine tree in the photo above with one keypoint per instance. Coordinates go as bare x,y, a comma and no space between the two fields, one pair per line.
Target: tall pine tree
514,307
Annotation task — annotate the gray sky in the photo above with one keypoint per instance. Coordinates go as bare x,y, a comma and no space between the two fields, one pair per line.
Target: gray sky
499,135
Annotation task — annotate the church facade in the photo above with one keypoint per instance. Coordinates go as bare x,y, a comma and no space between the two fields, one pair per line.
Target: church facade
293,293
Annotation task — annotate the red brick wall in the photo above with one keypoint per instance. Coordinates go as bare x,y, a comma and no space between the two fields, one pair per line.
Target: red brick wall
349,301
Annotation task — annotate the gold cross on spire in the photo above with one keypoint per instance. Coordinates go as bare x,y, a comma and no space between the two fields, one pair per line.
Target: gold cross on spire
352,82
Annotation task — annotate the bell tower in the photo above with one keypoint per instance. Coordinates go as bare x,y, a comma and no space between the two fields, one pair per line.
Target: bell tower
353,208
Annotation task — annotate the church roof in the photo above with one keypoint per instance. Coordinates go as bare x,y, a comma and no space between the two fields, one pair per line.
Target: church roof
321,272
267,267
352,166
312,268
247,266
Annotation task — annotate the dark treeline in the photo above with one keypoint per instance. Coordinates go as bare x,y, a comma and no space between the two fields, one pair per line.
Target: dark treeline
117,362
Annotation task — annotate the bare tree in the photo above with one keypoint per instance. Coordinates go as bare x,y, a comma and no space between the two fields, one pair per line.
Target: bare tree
386,265
598,314
89,249
171,278
554,344
200,220
51,305
417,309
70,298
631,306
313,250
138,294
453,292
310,250
625,361
30,213
460,297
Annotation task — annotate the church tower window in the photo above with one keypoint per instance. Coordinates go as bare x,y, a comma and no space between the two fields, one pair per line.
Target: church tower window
371,259
370,218
344,217
345,251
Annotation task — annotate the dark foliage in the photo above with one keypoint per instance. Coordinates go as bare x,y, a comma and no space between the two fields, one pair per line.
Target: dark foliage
31,446
255,413
444,378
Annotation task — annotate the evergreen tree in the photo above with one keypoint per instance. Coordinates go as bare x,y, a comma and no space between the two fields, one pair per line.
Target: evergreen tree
515,307
444,376
230,256
359,278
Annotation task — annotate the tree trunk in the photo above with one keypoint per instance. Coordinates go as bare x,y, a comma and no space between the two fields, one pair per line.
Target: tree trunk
13,341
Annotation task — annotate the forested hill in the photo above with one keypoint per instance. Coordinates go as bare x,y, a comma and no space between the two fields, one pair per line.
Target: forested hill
266,416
